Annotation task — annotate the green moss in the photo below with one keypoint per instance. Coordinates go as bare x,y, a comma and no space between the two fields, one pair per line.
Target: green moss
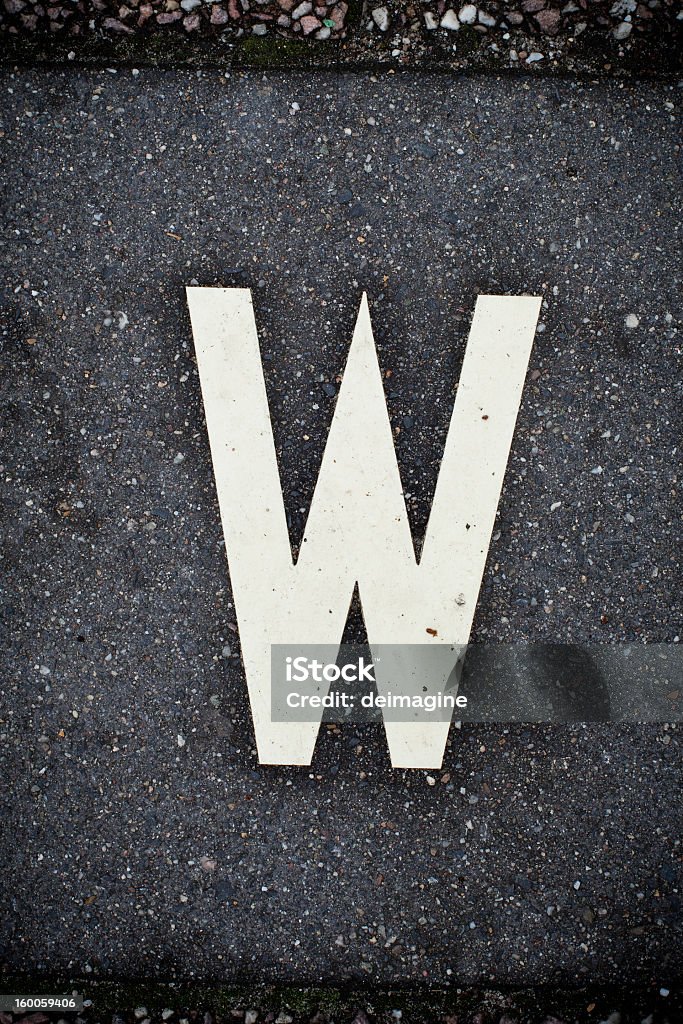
467,40
273,51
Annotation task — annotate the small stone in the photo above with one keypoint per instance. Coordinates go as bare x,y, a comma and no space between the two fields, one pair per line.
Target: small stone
337,16
623,31
219,16
380,16
487,19
259,30
168,17
301,10
430,22
309,24
549,21
116,26
533,57
467,14
324,33
632,321
251,1016
431,781
531,6
189,5
140,1012
450,21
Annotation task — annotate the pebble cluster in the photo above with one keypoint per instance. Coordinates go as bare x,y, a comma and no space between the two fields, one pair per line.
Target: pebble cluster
526,31
495,1008
523,30
320,19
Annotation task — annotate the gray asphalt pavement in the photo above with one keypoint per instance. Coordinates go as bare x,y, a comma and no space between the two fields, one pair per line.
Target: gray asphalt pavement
140,836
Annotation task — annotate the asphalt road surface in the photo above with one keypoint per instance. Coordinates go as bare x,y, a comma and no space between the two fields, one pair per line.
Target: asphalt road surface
140,836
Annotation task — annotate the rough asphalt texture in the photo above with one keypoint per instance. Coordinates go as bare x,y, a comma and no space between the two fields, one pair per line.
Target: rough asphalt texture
140,836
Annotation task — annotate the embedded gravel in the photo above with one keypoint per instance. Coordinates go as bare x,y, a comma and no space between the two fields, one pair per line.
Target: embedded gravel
141,838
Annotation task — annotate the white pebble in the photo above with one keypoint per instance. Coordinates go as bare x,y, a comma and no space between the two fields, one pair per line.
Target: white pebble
632,321
380,16
304,8
450,21
430,21
622,31
468,14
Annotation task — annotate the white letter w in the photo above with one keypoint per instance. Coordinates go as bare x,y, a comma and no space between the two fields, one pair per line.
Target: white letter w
357,529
